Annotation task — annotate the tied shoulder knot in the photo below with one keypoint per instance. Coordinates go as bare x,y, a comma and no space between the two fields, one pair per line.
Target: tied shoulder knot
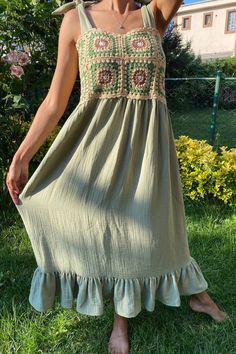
66,7
71,5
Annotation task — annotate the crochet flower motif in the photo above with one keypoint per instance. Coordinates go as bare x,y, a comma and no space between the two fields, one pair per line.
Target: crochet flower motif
105,76
139,77
101,43
139,43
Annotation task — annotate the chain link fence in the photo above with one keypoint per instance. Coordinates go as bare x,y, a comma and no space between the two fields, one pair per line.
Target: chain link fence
203,108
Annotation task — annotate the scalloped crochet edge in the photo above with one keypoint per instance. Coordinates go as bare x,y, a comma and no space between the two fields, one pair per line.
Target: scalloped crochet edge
130,295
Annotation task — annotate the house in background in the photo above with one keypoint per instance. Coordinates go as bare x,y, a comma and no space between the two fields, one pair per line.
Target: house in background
211,27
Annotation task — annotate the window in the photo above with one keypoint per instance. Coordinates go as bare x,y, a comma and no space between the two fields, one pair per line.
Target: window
207,19
230,21
186,23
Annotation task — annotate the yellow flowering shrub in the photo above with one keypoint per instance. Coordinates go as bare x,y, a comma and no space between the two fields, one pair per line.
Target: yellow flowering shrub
206,173
224,177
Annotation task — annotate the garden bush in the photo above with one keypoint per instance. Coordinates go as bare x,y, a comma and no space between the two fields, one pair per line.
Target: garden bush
26,29
205,173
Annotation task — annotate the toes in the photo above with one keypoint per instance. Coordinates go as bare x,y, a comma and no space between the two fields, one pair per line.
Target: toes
227,317
223,317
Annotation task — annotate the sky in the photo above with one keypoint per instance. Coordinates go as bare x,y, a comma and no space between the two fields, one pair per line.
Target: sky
190,1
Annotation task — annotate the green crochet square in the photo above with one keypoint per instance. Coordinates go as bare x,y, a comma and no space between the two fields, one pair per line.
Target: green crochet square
105,76
139,77
139,46
102,44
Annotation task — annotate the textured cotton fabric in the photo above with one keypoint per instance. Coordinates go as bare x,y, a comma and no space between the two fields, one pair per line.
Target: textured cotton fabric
104,209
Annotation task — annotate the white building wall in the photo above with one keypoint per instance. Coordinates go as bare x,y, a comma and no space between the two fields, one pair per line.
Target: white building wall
208,42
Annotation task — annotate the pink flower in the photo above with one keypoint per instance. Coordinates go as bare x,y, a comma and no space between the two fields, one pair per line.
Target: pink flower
23,58
15,57
16,70
12,57
17,60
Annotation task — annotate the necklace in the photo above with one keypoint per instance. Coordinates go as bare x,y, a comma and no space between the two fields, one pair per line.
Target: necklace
121,24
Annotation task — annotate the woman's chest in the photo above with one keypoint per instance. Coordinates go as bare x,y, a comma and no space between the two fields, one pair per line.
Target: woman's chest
131,64
137,44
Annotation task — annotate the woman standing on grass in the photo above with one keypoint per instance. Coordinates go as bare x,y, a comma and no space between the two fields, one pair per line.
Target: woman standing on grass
104,209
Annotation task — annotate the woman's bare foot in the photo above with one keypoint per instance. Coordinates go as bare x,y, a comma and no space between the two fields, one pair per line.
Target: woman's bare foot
118,342
203,303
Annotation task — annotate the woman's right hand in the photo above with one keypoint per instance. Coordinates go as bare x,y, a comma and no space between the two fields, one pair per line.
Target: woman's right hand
16,178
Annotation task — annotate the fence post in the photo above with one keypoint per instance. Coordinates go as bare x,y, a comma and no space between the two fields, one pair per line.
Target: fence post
215,107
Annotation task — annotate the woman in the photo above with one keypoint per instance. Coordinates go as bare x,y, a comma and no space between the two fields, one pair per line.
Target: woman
104,209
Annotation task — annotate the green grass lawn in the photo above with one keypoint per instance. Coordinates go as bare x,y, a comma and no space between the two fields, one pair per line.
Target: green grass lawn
167,330
196,124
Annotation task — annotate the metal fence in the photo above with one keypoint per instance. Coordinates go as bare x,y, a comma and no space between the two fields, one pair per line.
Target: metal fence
203,108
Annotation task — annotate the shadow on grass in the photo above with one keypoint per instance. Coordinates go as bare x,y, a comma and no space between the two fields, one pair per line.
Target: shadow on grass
209,208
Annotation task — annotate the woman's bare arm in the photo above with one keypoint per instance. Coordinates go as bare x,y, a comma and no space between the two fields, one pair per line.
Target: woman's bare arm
164,11
52,107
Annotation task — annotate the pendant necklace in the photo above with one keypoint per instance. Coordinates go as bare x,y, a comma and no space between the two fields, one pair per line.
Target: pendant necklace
121,24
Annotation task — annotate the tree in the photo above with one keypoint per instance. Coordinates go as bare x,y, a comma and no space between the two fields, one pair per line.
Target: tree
27,26
180,58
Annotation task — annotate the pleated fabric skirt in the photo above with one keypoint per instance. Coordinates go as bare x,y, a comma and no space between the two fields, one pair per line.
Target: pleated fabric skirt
105,215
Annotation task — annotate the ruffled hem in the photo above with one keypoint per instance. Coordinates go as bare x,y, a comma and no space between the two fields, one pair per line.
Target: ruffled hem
130,295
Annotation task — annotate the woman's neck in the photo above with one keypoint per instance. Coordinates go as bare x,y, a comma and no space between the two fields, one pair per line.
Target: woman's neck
120,6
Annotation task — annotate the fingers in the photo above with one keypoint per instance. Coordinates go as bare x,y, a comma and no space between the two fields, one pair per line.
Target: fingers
16,179
13,190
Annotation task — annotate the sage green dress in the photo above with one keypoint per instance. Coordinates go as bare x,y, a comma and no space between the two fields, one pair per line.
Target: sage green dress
104,209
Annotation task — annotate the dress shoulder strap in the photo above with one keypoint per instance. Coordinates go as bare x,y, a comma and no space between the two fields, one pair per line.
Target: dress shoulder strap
79,5
149,16
71,5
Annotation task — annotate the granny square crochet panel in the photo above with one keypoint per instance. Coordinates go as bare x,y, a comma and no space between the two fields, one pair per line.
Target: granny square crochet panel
113,65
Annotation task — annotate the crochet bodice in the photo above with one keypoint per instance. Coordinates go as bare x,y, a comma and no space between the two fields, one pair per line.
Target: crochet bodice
113,65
